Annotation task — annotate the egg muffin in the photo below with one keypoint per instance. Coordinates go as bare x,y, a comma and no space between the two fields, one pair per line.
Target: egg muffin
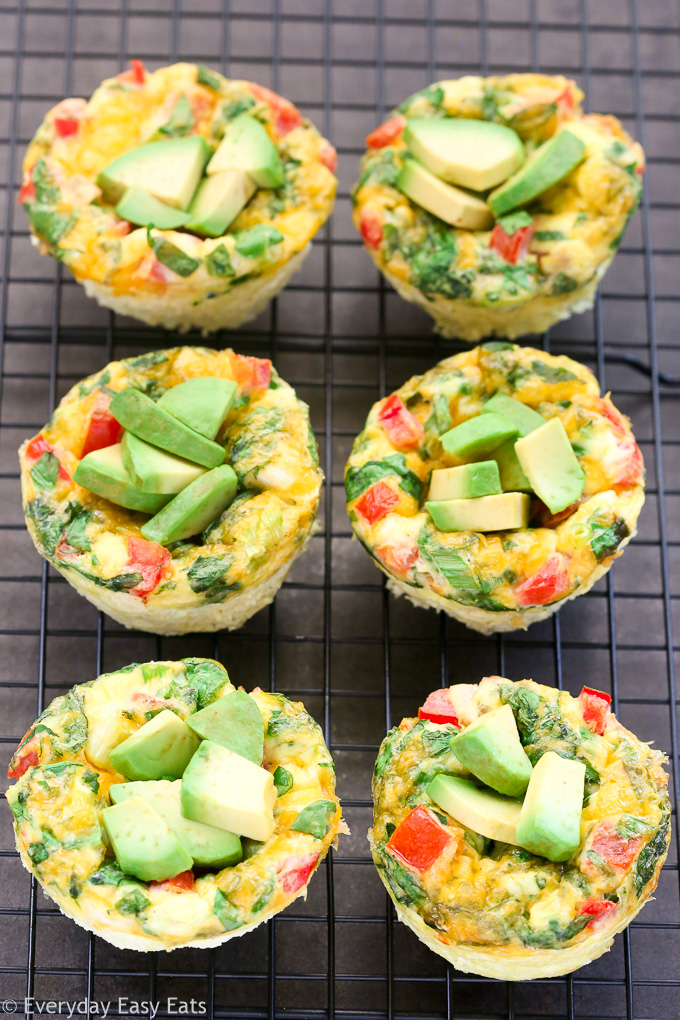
203,276
113,554
502,575
480,898
515,259
61,799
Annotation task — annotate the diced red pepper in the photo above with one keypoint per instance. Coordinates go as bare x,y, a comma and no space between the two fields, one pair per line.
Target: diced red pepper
595,708
38,446
398,558
184,882
511,247
371,227
103,429
136,75
286,115
148,559
251,374
27,189
419,840
386,133
608,411
614,849
546,519
546,585
328,156
597,909
294,872
631,464
438,708
66,126
565,102
25,757
376,502
403,428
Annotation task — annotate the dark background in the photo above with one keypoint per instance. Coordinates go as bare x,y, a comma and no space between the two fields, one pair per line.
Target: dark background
358,658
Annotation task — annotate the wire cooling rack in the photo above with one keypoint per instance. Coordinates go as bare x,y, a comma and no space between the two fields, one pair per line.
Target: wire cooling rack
357,657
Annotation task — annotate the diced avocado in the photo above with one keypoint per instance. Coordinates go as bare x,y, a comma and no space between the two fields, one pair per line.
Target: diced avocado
226,790
194,508
170,170
155,470
233,721
160,749
202,404
140,207
104,473
550,820
513,478
454,206
140,415
143,842
551,465
208,846
525,418
247,146
548,165
466,481
480,810
219,200
488,513
476,154
491,749
478,437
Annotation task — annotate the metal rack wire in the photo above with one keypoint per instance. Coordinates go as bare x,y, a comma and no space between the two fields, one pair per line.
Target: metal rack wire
358,658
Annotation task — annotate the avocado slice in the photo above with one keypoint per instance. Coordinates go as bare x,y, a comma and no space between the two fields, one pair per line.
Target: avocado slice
233,721
512,477
466,481
170,170
194,508
454,206
140,415
208,846
488,513
548,165
550,464
155,470
218,201
139,206
247,146
475,154
160,749
525,418
478,437
226,790
550,820
143,842
480,810
491,749
104,473
202,404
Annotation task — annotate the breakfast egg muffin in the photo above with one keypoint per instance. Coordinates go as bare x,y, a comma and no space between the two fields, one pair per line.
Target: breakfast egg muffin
515,259
504,571
163,580
103,177
453,854
65,783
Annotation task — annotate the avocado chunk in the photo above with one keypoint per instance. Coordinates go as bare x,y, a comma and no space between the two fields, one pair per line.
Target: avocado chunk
247,146
488,513
194,508
491,749
140,415
208,846
550,820
480,810
202,404
160,749
512,477
476,154
143,842
525,418
104,473
218,201
465,481
550,464
224,789
170,170
233,721
139,206
454,206
478,437
155,470
548,165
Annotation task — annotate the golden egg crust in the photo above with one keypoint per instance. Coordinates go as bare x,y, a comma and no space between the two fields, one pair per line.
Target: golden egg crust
453,274
498,581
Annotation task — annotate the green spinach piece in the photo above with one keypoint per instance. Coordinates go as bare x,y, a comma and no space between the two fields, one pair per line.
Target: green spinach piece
563,284
645,865
283,781
207,576
227,914
134,903
357,480
605,539
172,256
206,679
48,524
38,852
254,241
315,818
440,419
147,360
551,373
218,263
404,885
447,561
515,221
44,472
549,235
630,826
74,531
181,120
207,78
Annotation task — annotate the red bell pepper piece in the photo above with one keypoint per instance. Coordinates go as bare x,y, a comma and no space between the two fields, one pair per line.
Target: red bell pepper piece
251,374
511,247
286,115
25,757
438,708
632,464
386,133
419,840
148,559
597,909
66,126
565,102
38,446
398,558
403,428
103,429
136,75
595,708
376,502
614,849
371,228
328,156
184,882
294,872
27,189
608,411
546,585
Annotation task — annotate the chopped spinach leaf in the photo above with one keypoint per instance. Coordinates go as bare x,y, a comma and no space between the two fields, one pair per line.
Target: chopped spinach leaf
606,538
172,256
404,885
563,284
207,78
448,561
206,678
549,235
46,190
207,576
515,221
315,818
134,903
254,241
630,826
226,913
648,858
235,107
218,263
283,780
147,360
75,530
48,223
357,480
379,169
553,374
525,704
440,419
38,852
181,120
44,472
91,779
47,523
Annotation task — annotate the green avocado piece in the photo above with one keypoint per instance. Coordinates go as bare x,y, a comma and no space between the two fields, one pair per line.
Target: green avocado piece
478,436
453,205
140,415
140,207
525,418
476,154
247,146
477,808
466,481
170,170
550,820
218,201
549,462
233,721
143,842
194,508
160,749
155,470
548,165
104,473
487,513
208,846
512,477
202,404
491,749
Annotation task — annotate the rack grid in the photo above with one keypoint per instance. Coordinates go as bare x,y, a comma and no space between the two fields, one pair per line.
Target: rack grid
334,637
